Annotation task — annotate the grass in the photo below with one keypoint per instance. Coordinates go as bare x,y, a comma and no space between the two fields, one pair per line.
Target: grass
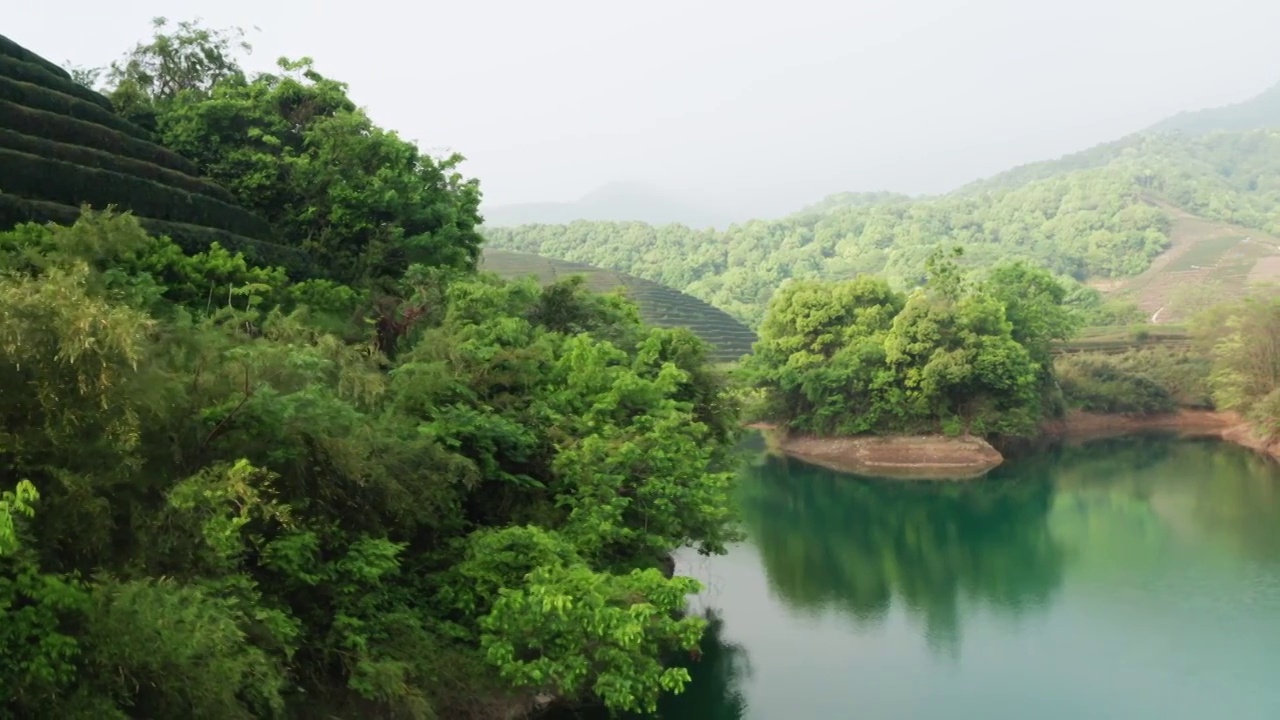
659,305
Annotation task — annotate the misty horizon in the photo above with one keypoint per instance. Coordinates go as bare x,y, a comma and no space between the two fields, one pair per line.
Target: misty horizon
741,106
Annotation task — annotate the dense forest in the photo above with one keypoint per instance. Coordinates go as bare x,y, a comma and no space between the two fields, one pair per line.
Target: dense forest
1095,215
974,353
956,356
382,485
273,447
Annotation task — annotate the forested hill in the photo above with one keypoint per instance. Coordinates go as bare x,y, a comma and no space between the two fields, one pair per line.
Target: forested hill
1096,215
1261,111
1210,145
836,201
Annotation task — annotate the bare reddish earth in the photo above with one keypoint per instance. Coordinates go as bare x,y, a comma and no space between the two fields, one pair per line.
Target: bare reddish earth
935,457
907,457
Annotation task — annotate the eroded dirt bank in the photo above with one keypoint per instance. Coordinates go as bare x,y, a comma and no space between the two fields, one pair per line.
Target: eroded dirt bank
909,457
1229,426
937,457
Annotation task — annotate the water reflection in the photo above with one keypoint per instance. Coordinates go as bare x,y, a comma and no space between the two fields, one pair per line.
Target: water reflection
718,674
1112,495
831,541
718,677
1150,568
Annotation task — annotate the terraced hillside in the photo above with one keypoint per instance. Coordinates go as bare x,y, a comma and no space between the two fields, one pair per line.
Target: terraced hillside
1207,261
659,304
62,146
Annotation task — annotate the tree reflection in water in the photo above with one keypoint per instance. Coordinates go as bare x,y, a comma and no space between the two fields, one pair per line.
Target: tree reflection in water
832,541
715,693
1109,513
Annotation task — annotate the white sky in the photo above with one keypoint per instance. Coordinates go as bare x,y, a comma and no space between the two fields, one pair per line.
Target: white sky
767,105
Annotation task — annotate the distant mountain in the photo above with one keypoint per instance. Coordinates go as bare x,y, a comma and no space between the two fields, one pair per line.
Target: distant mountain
1262,111
615,202
1193,202
1157,143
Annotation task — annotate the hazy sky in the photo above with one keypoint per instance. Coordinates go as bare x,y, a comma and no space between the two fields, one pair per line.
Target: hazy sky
768,105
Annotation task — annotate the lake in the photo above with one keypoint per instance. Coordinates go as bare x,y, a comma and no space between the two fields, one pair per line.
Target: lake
1130,578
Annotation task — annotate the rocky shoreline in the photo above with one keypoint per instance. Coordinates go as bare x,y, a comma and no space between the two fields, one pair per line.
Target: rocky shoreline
937,457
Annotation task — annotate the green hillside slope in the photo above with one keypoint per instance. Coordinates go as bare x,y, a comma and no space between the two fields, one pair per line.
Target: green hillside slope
1227,176
1103,217
1208,261
1257,112
63,146
1084,225
659,305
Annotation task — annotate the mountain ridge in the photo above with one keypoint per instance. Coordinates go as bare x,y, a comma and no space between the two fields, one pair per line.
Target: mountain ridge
618,201
1087,216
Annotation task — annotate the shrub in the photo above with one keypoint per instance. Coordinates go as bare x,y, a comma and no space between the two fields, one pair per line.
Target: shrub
191,238
1265,414
34,96
1096,384
89,157
9,48
1182,372
28,72
50,125
39,178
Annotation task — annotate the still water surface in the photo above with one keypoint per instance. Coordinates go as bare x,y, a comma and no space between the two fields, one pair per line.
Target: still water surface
1135,578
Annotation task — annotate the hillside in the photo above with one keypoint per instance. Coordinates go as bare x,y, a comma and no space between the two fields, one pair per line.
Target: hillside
615,202
1258,112
1208,261
63,146
659,305
1220,163
1119,217
836,201
1086,225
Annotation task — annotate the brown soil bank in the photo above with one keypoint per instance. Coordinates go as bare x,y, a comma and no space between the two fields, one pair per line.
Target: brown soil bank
937,457
913,457
1229,426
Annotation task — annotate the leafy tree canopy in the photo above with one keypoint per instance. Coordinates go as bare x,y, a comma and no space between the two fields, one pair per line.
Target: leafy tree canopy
215,507
1096,214
294,148
955,355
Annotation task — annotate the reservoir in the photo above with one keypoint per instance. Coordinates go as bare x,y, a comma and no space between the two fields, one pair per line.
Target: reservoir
1129,578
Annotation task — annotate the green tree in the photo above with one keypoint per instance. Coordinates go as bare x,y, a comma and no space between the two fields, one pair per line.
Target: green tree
957,361
188,58
1244,342
294,148
856,357
821,354
1035,304
241,514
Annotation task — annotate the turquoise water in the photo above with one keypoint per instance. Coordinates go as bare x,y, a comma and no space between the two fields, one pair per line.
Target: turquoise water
1135,578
